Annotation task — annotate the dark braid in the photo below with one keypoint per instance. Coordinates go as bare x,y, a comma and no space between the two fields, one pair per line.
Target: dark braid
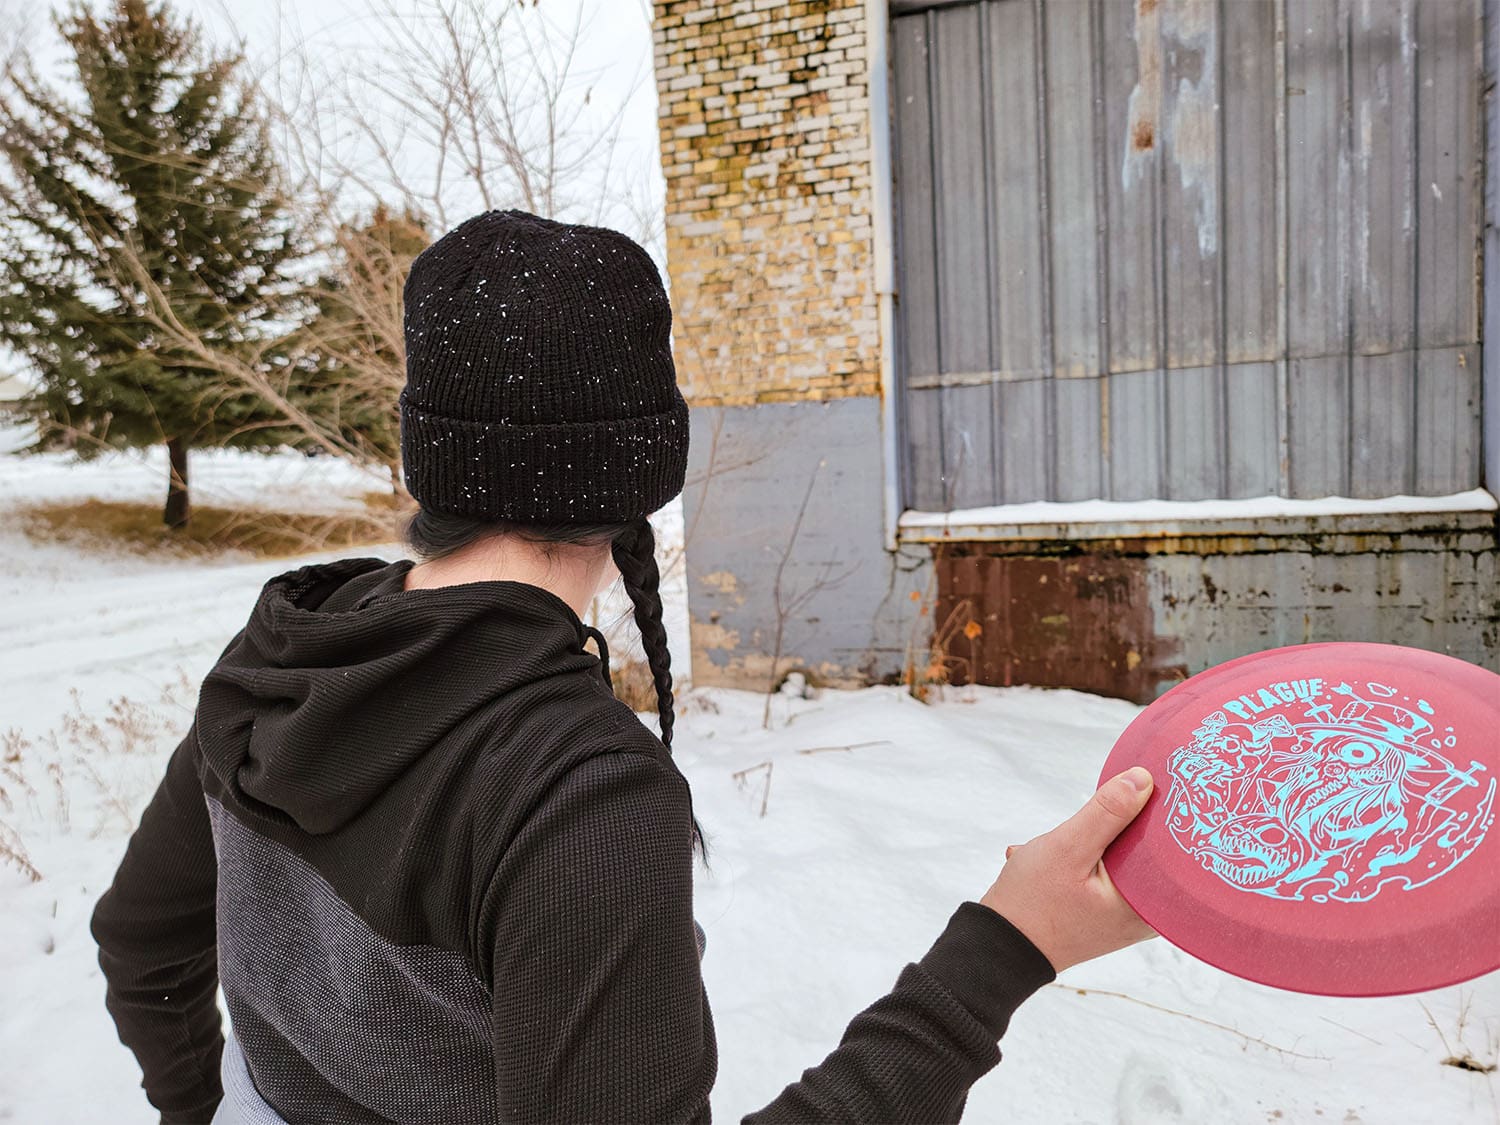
634,551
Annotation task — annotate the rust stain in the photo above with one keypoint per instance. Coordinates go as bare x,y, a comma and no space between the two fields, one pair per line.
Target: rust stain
1081,621
1144,105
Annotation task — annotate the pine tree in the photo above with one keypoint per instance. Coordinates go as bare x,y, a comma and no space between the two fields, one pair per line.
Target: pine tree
154,190
350,354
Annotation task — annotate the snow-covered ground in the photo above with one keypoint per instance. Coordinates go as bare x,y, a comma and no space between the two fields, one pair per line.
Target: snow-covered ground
840,841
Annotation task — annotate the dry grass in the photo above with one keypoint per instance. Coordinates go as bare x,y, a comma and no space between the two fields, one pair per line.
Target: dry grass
633,685
90,773
138,528
937,661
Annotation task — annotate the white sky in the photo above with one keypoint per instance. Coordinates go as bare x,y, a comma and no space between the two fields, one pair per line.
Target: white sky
613,62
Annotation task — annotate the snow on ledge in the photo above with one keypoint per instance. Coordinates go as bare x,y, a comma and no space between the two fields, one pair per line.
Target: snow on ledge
1176,511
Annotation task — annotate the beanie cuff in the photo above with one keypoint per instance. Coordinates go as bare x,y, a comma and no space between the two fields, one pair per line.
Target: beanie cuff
609,471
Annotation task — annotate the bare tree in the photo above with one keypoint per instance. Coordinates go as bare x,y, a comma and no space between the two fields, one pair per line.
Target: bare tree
467,105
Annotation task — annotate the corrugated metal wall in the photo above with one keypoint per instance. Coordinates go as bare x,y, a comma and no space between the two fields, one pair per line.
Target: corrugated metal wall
1187,248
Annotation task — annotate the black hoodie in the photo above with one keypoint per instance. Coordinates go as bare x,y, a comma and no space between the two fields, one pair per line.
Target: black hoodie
443,875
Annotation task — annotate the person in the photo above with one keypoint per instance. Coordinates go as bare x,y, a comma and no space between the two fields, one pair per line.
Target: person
441,872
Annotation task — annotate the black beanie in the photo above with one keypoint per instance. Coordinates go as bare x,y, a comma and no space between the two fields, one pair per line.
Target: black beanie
539,378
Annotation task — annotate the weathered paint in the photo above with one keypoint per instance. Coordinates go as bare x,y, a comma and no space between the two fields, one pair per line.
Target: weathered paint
1188,248
846,613
1132,616
1082,621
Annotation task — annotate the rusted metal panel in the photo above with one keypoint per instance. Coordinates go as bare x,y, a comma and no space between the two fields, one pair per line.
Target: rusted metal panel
1084,622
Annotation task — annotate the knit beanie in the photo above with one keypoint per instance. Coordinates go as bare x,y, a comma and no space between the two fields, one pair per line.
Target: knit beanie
539,379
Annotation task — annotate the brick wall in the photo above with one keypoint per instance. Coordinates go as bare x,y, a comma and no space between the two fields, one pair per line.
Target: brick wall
765,146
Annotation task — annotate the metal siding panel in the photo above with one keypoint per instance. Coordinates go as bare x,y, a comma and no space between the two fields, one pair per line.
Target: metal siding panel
1383,71
1005,267
1194,434
1490,396
962,223
1079,474
1448,153
1249,124
1072,212
1447,399
1015,191
1383,241
1190,190
1448,430
1380,425
968,453
1317,171
1446,395
1136,435
1253,407
917,262
1024,452
1132,93
962,198
1318,426
927,489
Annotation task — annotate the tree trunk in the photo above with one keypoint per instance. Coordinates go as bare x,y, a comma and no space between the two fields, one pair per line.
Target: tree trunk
177,510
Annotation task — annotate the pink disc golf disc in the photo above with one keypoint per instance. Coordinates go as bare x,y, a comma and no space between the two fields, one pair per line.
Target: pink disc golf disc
1323,819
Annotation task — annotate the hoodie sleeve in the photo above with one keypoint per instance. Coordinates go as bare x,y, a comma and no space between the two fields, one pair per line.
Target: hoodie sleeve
599,1007
157,946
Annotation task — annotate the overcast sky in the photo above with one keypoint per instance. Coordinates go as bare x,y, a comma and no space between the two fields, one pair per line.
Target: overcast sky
613,61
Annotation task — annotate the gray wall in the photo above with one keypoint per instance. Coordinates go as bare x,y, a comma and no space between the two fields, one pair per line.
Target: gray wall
1435,589
846,612
1205,248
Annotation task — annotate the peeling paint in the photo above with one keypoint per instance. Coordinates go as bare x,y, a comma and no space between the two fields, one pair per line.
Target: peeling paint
725,582
1144,106
749,472
1184,32
713,641
1193,129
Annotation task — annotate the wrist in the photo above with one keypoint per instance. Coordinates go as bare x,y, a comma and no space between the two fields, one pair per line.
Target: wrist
987,964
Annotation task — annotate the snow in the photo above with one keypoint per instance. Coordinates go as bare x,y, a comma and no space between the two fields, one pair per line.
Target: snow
1177,511
881,814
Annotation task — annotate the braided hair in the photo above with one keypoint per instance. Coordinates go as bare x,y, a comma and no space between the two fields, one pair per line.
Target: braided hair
634,551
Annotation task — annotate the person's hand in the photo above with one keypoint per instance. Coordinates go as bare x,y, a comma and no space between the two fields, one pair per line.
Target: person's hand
1056,892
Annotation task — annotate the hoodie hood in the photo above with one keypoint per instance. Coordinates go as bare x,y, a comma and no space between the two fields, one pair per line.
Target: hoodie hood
342,679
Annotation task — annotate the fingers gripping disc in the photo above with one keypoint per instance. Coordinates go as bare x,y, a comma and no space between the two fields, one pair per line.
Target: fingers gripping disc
1323,819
